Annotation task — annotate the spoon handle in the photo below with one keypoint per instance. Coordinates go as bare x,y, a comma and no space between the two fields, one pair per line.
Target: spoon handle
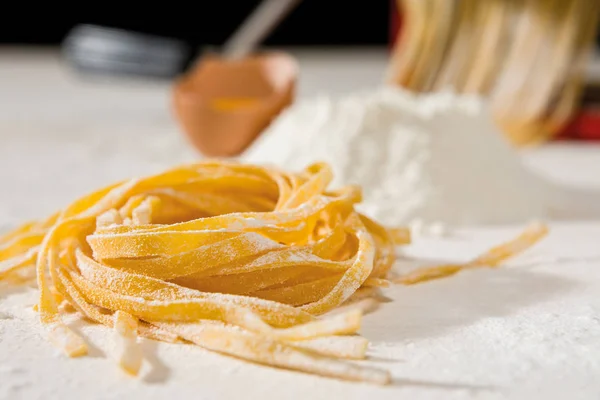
256,27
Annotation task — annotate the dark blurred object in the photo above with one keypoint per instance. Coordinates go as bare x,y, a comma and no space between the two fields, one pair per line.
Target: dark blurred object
97,49
591,95
101,50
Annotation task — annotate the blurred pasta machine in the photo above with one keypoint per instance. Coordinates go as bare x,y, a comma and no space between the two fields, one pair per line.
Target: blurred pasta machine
110,51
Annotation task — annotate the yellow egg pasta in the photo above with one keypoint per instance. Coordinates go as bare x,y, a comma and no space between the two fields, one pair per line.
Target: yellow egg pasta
239,259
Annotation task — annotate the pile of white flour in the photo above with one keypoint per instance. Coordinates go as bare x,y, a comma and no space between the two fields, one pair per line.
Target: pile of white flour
427,160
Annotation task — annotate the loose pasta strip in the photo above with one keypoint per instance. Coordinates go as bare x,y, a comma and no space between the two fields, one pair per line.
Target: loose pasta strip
346,347
127,351
255,348
400,236
491,258
65,339
18,262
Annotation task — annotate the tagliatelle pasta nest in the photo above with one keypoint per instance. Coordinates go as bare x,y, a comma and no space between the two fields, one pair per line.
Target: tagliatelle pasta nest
239,259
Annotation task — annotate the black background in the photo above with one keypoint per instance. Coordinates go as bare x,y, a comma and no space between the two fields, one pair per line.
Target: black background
203,22
312,22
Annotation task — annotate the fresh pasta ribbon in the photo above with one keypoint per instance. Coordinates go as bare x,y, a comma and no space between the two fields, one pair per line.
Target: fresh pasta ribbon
127,350
240,259
491,258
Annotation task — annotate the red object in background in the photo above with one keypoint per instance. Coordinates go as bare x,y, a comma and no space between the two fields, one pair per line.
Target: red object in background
584,126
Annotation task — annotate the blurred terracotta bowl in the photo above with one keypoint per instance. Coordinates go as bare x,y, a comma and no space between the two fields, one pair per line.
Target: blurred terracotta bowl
223,105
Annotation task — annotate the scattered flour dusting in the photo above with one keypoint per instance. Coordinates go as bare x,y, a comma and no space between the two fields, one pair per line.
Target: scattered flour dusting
424,160
5,315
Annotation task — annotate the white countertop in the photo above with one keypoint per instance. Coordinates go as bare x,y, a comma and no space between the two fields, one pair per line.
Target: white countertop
530,330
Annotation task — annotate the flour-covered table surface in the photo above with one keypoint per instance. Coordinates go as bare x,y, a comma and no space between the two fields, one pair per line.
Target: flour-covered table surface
528,330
